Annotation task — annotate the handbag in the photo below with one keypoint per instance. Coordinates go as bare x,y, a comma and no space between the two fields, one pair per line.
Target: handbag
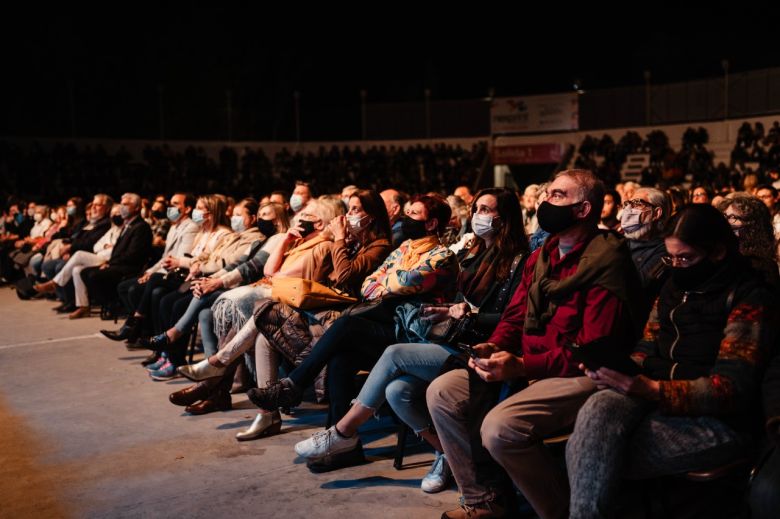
452,331
306,294
176,276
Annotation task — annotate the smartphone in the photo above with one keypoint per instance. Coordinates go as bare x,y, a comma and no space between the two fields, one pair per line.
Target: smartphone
467,349
603,353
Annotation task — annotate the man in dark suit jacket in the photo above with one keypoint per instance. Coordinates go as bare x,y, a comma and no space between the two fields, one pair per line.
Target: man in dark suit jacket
130,254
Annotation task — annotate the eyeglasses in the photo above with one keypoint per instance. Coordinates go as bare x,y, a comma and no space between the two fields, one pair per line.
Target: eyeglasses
682,261
736,219
638,202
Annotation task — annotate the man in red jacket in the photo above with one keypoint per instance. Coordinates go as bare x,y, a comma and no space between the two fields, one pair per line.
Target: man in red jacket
576,288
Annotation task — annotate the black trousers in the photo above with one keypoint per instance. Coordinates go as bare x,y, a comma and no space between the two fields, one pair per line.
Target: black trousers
101,283
350,344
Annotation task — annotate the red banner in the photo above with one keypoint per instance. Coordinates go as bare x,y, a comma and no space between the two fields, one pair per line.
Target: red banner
528,154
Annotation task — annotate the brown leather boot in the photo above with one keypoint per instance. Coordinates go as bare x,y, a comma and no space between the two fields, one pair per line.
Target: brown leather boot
191,394
81,311
219,401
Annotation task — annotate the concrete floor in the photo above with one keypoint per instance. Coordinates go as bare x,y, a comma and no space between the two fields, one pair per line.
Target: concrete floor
86,433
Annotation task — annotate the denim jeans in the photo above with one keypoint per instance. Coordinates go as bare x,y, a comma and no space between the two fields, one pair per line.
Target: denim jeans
401,376
619,436
190,316
210,339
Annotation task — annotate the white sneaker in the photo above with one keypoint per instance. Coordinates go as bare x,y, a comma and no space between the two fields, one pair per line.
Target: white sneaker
438,478
325,443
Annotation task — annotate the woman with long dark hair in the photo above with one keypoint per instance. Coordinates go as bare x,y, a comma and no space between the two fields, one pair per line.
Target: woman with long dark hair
490,271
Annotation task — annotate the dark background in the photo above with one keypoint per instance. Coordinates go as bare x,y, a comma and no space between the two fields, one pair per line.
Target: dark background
96,71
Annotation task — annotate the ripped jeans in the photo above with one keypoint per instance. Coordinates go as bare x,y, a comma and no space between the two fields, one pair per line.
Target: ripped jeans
401,376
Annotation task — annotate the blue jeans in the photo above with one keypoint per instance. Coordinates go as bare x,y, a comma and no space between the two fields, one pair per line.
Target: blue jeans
619,436
207,335
190,316
401,375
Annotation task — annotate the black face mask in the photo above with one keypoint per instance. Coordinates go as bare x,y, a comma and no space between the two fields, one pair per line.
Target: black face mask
117,220
266,227
556,218
160,214
690,278
307,226
413,229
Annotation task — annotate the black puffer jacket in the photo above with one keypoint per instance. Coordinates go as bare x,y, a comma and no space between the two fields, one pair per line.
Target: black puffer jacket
691,324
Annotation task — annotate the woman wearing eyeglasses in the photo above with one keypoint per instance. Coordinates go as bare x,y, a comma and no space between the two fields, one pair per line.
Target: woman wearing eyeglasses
701,358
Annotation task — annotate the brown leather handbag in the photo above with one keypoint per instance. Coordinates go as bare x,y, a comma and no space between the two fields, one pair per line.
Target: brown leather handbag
305,294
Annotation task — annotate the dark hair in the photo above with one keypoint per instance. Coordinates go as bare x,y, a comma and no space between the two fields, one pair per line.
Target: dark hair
189,200
251,205
375,207
703,227
770,187
80,207
510,239
756,237
280,193
707,189
678,196
437,207
618,200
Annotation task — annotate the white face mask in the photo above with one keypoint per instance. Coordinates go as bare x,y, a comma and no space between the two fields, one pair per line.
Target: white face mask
357,222
296,203
237,223
483,225
636,223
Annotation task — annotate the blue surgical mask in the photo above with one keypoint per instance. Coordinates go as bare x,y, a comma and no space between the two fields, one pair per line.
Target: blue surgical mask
636,223
124,211
237,223
296,203
197,216
71,210
483,225
173,213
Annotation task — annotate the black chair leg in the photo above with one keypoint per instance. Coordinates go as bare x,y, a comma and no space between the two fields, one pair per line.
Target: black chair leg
403,431
193,343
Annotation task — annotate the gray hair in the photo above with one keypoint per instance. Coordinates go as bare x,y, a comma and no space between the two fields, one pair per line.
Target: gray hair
659,199
133,198
327,208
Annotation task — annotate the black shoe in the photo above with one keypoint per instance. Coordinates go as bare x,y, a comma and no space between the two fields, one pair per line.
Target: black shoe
349,458
128,332
66,309
275,395
156,343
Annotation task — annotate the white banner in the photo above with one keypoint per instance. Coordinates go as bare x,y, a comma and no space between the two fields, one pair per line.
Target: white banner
534,114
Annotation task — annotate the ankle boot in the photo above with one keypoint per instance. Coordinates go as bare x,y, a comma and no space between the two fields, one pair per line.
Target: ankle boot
216,401
128,332
189,395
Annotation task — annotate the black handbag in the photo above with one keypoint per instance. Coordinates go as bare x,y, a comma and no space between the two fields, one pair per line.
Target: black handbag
453,331
380,310
176,276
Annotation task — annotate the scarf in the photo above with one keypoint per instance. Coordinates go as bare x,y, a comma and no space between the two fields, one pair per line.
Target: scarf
605,261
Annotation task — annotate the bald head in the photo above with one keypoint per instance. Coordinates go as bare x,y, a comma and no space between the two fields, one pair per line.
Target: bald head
394,203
